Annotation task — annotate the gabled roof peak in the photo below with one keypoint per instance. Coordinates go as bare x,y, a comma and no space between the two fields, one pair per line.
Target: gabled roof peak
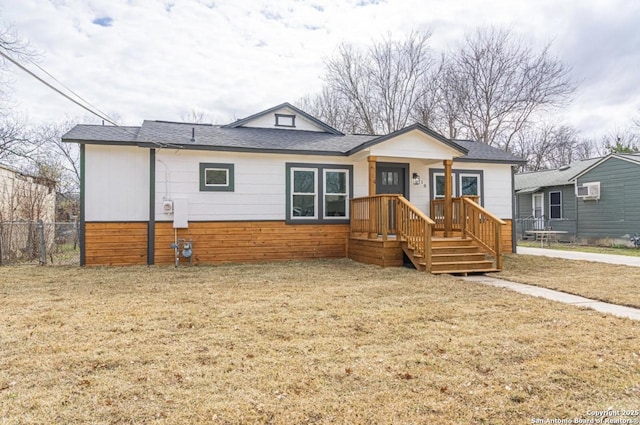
320,124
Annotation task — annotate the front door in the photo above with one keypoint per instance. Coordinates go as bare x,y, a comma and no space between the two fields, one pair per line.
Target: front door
392,179
537,202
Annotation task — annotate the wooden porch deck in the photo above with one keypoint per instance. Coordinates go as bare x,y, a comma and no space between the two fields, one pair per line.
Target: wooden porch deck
449,255
387,230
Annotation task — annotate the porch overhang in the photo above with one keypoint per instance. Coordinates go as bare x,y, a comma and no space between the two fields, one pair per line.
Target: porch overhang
528,190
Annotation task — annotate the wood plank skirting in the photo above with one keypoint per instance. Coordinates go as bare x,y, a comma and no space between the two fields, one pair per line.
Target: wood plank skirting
507,232
115,243
237,241
376,251
125,243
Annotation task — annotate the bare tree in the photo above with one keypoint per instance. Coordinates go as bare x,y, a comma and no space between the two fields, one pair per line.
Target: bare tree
621,140
331,109
380,86
195,116
550,146
13,138
57,160
500,83
14,46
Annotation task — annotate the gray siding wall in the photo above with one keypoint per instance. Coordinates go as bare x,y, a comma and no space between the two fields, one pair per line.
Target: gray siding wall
616,216
523,205
567,223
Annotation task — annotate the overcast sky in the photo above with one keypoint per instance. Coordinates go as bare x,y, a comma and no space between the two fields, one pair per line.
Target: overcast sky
160,59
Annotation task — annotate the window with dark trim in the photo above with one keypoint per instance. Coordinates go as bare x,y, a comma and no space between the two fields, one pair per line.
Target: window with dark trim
463,183
285,120
216,177
469,184
555,204
318,193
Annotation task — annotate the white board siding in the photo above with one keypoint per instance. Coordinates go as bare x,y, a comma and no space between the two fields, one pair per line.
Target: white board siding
269,121
498,193
414,144
259,190
116,183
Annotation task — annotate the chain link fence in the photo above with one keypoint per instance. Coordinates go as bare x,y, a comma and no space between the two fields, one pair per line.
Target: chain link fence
31,242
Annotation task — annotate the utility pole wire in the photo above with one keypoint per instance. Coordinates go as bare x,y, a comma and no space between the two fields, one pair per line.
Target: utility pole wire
19,65
67,88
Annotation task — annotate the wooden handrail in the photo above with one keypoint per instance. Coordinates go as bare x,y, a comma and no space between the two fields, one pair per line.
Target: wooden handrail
485,228
484,211
381,215
416,210
436,211
374,215
415,228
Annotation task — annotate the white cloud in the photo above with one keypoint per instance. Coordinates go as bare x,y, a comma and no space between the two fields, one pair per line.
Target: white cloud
158,59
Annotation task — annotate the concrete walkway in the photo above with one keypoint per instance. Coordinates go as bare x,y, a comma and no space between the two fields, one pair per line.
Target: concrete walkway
563,297
577,255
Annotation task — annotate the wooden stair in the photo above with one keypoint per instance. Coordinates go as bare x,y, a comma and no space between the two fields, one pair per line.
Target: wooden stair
452,255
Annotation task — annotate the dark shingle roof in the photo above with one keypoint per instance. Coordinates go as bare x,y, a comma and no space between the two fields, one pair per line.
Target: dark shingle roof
102,133
558,177
210,137
266,139
481,152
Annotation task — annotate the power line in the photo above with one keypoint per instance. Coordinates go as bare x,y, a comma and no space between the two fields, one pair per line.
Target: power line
99,114
62,84
25,69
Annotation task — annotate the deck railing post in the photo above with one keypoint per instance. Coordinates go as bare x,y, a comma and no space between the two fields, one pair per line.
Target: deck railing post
385,217
372,232
427,246
463,218
498,242
398,219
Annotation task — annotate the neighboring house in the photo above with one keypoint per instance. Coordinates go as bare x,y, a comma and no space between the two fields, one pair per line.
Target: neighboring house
24,197
24,200
279,184
596,201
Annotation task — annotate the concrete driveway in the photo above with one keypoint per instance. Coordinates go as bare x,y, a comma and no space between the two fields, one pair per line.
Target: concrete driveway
577,255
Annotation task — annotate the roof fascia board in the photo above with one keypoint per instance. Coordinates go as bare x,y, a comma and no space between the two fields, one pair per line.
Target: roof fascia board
602,161
405,130
242,149
100,142
490,161
150,145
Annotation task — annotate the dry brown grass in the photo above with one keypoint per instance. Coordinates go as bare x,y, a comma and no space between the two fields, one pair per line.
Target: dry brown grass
612,283
308,343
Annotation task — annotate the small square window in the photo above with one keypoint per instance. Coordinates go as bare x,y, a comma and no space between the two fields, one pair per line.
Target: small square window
283,120
216,177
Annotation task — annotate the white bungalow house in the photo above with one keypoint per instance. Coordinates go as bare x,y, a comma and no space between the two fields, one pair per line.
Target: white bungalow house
282,184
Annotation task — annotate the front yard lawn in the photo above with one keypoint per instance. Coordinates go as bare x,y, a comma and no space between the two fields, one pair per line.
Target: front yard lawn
300,343
612,283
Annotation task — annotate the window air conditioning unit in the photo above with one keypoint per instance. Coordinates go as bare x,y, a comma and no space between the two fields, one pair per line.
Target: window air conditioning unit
167,207
588,191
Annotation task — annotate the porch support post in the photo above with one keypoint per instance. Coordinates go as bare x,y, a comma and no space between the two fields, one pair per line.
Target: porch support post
448,202
372,175
373,216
